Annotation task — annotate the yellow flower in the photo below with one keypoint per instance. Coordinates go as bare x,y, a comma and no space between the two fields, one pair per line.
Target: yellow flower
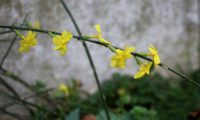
27,42
60,42
99,35
64,89
121,91
144,69
119,59
154,54
36,25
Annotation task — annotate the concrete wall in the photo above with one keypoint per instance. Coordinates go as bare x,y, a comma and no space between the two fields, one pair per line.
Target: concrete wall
169,24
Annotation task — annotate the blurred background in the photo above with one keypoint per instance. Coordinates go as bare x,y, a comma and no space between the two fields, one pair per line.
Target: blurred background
172,26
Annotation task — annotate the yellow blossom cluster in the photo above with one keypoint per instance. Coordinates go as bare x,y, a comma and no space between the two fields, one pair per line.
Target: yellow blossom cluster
121,56
99,35
64,89
118,60
30,40
27,42
60,42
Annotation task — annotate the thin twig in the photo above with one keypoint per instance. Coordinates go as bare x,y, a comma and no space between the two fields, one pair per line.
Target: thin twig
5,41
12,42
4,82
21,101
81,38
102,97
16,78
198,12
168,68
5,32
10,88
28,97
4,58
16,116
8,50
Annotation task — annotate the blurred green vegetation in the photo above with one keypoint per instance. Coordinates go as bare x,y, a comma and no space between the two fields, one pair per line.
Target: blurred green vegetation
148,98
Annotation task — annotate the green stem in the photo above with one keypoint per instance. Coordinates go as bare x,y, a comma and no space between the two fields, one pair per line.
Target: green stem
28,97
16,78
20,100
16,116
198,49
10,88
18,34
137,60
113,49
181,75
12,42
80,38
8,50
5,32
102,97
99,43
2,81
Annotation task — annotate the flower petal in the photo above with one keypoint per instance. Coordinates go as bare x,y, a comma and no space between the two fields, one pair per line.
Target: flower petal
67,36
27,42
139,74
129,49
156,59
153,49
98,29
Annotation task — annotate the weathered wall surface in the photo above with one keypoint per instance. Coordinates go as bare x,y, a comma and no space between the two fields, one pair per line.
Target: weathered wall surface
169,24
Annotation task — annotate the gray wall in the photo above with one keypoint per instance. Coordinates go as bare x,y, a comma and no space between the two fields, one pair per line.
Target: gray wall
169,24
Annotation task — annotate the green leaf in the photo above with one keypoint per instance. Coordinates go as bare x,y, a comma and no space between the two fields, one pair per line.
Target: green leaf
102,116
138,61
39,85
74,115
142,113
